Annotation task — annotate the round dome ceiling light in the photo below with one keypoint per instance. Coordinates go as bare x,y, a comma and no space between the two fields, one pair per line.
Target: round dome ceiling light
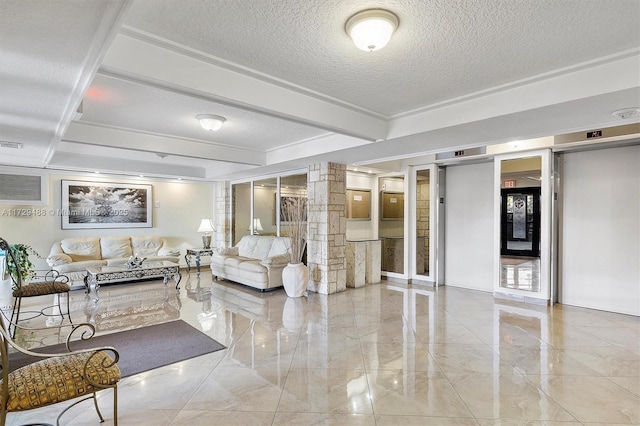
211,122
627,113
371,29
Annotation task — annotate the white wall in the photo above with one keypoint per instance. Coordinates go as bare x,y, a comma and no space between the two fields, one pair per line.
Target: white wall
600,229
469,226
181,207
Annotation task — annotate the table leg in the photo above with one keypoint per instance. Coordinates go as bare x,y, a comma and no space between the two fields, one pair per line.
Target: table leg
198,263
187,258
92,288
176,276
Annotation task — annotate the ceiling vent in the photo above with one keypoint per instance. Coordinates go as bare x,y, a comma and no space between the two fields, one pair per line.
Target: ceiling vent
12,145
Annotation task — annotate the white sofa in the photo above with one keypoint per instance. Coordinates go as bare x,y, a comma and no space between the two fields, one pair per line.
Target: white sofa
256,261
73,256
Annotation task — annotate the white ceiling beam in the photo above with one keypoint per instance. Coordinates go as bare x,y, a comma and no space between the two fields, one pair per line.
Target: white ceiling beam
72,161
621,72
180,67
81,132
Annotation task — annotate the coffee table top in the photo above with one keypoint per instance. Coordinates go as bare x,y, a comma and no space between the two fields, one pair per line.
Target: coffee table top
123,267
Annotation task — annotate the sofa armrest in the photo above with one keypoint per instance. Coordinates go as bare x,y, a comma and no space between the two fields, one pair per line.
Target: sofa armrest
274,261
58,259
231,251
168,251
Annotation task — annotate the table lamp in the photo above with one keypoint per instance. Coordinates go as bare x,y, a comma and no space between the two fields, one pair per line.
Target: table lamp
207,227
257,226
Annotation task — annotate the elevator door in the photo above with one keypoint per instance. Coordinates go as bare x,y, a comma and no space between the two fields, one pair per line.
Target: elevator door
520,222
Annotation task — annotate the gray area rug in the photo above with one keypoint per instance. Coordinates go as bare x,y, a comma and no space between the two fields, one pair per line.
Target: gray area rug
141,349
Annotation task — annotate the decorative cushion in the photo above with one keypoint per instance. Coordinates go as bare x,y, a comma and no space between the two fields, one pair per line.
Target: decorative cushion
279,260
114,247
231,251
80,249
58,379
146,245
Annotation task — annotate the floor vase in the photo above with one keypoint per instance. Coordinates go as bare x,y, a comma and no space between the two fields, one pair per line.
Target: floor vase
295,277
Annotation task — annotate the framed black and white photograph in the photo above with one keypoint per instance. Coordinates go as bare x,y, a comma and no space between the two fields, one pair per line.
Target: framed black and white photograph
90,205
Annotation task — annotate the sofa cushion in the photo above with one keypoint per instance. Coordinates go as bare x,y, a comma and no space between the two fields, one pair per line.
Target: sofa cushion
80,249
235,261
252,266
255,246
144,246
280,246
115,247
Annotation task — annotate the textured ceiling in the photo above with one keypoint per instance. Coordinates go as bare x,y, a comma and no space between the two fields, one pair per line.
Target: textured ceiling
443,49
109,84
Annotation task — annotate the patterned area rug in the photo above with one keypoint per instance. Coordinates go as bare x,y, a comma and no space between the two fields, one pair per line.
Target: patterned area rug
141,349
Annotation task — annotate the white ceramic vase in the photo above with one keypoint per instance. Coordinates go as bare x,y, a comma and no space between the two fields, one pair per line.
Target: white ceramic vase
295,277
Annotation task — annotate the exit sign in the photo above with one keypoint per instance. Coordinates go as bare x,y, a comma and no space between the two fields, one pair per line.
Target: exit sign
509,184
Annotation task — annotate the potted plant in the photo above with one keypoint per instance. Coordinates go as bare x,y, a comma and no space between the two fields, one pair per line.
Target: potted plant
295,276
21,253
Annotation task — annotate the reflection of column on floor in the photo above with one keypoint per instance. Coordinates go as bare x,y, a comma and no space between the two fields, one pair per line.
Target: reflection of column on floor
420,255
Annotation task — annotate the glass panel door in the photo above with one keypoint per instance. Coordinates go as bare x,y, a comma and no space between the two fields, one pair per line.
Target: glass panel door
520,222
423,222
391,223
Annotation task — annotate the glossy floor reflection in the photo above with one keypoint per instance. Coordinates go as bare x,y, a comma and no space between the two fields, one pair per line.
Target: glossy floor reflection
384,354
521,273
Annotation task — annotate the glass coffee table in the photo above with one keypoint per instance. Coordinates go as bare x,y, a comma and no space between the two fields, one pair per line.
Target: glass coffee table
99,275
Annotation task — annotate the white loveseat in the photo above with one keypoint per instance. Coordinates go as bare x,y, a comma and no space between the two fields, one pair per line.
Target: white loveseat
73,256
256,261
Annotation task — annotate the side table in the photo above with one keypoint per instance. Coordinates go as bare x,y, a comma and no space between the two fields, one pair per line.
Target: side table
197,252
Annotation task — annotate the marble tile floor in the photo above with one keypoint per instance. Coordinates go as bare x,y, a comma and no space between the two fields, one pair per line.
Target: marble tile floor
383,354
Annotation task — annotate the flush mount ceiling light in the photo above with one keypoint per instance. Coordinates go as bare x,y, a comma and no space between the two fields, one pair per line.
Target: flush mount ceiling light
627,113
371,29
211,122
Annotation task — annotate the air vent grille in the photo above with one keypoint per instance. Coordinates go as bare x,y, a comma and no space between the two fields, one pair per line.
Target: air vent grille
20,188
12,145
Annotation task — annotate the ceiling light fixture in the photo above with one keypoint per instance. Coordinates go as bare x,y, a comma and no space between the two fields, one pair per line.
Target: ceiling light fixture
211,122
371,29
627,113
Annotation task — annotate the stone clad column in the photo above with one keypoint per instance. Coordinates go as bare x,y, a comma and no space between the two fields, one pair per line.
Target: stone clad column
327,228
356,263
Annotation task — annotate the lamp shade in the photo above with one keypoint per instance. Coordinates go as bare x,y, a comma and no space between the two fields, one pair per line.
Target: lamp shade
257,225
206,226
371,29
211,122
